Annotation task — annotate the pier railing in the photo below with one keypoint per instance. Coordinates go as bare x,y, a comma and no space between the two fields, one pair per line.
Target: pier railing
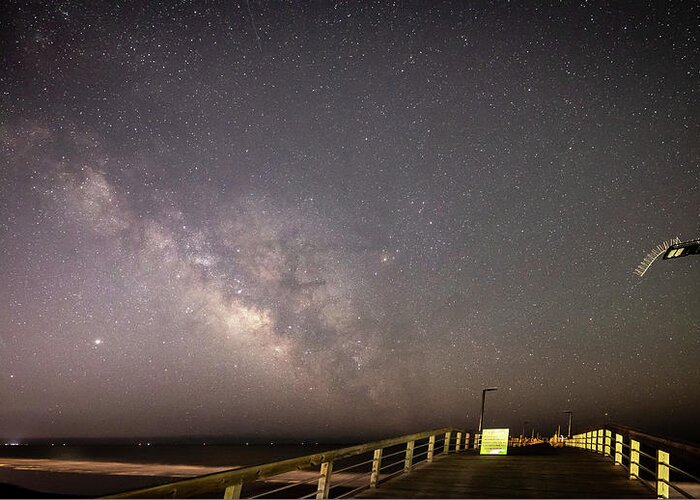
331,474
646,457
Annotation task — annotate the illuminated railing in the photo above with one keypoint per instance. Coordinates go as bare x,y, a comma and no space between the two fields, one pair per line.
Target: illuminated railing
331,474
640,454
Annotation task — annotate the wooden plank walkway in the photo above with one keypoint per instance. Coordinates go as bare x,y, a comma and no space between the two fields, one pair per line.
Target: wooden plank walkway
529,472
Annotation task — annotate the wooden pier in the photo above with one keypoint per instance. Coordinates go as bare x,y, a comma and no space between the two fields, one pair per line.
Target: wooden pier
610,462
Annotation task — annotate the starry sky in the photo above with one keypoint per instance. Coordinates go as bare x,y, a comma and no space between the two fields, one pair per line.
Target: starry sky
345,219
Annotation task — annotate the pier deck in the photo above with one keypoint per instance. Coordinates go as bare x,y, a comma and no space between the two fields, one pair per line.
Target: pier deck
529,472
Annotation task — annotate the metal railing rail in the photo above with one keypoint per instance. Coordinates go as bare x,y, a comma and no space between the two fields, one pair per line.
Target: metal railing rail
446,440
613,440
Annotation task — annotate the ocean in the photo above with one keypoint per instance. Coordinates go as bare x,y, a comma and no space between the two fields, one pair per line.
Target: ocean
96,470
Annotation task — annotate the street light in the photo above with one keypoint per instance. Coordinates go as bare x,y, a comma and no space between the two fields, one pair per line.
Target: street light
670,249
683,249
570,417
483,401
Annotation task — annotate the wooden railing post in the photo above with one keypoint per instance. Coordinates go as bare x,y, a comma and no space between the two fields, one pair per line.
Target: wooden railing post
597,441
376,466
446,448
233,491
408,462
663,460
608,440
618,449
634,459
324,480
458,444
431,448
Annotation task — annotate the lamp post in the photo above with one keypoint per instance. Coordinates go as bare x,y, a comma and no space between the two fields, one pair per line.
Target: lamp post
670,249
483,402
570,417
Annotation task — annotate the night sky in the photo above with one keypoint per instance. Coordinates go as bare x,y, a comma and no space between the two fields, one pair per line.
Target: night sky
331,219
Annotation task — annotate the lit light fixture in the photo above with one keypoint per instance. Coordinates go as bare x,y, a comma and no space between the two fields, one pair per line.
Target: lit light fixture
670,250
683,249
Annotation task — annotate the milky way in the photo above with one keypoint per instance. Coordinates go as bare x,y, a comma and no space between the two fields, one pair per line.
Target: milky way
345,219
